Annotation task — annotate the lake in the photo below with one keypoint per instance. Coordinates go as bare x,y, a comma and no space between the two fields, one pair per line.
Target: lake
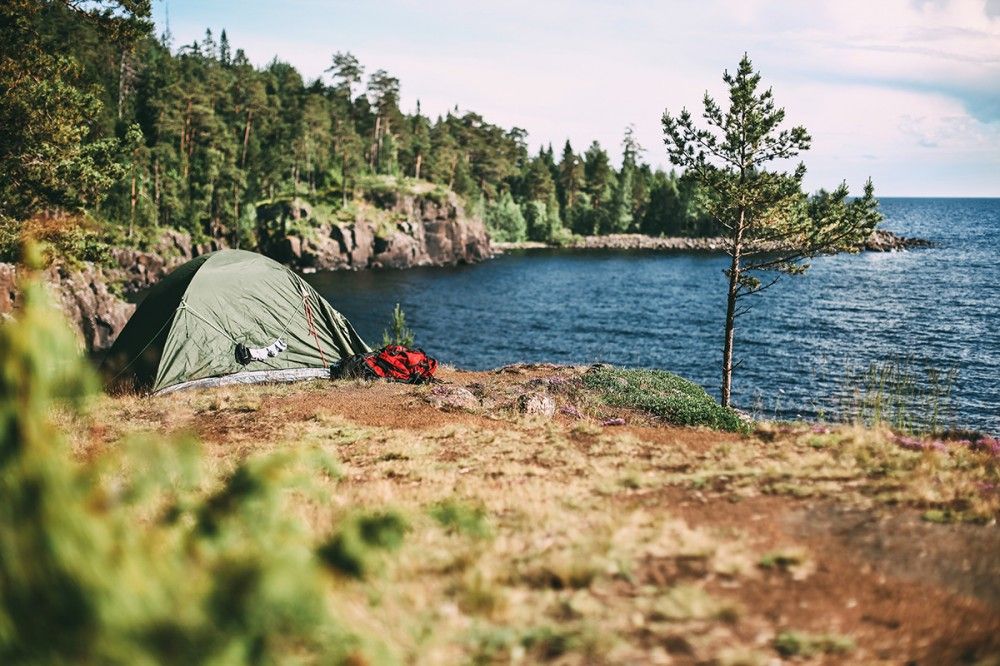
938,307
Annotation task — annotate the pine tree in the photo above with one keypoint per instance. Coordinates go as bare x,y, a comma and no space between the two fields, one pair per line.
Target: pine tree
417,153
225,52
48,156
599,183
570,179
620,215
346,72
768,222
663,216
538,183
383,94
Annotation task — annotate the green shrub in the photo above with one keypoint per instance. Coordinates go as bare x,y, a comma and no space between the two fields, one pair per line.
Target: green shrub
662,394
380,190
505,221
70,239
141,556
461,518
351,550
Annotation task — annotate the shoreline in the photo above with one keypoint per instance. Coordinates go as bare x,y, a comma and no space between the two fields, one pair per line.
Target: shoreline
879,241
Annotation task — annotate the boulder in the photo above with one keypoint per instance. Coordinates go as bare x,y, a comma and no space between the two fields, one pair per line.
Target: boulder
452,397
536,403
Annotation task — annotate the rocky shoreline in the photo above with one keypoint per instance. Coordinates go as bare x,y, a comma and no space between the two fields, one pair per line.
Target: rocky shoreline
879,241
412,230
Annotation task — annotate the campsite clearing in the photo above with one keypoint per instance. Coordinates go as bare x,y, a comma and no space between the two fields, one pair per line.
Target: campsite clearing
551,537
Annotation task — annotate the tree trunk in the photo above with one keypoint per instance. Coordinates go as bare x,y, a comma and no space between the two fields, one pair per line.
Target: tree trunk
246,137
156,192
734,283
236,216
343,178
416,170
186,137
133,201
121,84
373,157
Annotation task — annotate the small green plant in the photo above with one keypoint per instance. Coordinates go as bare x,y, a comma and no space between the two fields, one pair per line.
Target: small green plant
351,550
800,644
662,394
781,559
398,332
462,518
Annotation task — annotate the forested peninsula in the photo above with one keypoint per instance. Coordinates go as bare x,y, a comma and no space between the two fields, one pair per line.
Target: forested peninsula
154,135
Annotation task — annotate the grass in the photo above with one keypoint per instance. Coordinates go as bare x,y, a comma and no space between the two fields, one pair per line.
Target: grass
517,540
901,394
671,398
953,484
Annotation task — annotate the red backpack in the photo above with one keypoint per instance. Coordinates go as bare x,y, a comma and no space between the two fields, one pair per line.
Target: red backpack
401,364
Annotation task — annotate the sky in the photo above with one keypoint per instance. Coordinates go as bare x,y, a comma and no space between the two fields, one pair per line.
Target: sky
906,92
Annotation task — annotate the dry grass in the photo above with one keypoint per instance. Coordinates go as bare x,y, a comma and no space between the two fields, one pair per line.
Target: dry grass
556,539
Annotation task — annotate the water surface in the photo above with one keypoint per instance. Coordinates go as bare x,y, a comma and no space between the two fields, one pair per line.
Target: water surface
938,306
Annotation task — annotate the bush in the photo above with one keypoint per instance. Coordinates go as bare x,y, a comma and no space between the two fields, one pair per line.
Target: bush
662,394
141,556
350,552
462,518
380,191
505,220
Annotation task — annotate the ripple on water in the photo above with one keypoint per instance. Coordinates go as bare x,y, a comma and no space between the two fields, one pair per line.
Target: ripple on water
798,344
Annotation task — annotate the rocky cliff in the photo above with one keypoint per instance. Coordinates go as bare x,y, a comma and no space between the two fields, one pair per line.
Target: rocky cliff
404,230
96,311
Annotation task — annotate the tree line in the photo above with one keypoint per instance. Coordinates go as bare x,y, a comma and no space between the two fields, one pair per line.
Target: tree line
193,137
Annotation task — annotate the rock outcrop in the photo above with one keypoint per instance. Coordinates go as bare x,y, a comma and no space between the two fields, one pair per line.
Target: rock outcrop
137,270
409,230
886,241
95,312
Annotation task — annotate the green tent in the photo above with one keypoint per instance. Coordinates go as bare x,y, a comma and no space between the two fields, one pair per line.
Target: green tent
228,317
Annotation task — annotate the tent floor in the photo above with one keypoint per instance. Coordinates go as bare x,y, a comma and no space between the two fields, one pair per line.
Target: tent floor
252,377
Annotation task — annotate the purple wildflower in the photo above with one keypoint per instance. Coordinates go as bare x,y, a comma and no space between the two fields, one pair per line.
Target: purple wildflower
917,444
570,410
987,444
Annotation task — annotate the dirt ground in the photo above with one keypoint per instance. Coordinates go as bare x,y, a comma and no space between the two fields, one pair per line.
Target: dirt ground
634,543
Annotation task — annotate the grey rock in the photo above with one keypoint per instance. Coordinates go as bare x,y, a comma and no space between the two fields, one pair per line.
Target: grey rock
537,403
452,397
